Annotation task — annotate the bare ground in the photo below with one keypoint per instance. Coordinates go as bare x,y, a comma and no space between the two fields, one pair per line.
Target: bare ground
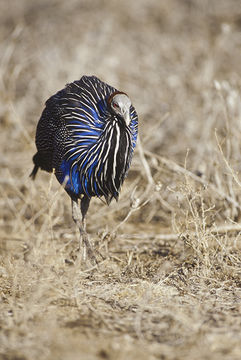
169,284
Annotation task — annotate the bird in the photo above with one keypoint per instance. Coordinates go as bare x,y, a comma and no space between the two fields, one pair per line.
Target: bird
86,135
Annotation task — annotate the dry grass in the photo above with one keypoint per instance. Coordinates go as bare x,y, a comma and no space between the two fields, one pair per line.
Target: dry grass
170,284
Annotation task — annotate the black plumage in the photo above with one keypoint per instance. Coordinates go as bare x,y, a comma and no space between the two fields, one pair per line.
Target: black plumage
86,134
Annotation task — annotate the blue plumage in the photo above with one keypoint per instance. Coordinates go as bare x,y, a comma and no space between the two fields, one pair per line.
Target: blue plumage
87,135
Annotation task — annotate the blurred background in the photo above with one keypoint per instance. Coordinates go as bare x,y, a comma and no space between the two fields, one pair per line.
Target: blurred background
169,286
165,55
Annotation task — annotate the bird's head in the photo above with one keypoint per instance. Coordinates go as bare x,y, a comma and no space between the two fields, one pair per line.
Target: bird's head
120,105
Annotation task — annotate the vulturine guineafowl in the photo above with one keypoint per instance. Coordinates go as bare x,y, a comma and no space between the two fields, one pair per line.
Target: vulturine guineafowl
86,135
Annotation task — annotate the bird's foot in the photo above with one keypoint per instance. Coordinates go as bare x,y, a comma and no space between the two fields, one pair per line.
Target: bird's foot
88,252
84,252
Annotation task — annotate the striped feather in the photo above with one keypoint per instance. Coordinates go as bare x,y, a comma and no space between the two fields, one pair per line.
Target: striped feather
92,148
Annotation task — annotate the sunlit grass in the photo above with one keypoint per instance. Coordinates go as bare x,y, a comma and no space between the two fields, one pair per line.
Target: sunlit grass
169,284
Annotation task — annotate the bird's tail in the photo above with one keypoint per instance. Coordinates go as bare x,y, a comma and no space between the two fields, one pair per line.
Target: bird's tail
34,172
35,169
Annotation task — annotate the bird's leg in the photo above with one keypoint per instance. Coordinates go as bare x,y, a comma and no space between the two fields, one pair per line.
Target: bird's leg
84,206
78,214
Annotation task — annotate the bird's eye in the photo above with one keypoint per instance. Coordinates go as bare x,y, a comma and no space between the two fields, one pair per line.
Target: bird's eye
115,105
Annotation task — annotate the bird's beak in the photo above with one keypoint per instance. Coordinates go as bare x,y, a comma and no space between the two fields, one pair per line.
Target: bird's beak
127,118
